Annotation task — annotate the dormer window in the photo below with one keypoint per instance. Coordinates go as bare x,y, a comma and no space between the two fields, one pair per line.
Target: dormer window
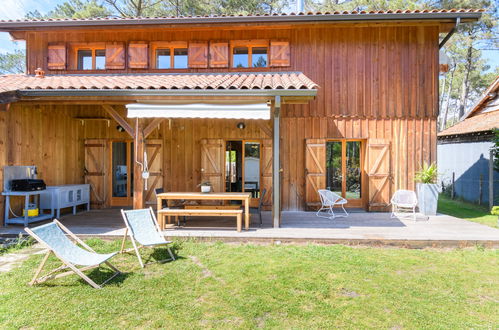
91,59
249,53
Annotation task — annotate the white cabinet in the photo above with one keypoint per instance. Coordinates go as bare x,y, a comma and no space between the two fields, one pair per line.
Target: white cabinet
56,198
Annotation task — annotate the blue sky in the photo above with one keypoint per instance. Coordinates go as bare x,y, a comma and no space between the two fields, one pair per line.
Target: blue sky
17,9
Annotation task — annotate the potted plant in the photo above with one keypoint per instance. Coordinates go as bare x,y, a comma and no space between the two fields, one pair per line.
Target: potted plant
205,186
427,189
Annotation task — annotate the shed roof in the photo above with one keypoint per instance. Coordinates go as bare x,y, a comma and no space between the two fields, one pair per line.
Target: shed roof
483,122
271,83
379,15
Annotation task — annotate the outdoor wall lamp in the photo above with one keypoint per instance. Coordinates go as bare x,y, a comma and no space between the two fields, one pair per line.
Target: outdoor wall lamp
120,129
241,125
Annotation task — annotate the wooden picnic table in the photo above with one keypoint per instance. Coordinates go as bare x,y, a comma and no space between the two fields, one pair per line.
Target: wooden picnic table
211,196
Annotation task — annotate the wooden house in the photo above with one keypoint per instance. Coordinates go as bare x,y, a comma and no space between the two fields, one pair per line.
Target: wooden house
346,101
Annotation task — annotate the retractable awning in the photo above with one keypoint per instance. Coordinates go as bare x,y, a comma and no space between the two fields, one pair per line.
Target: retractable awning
219,111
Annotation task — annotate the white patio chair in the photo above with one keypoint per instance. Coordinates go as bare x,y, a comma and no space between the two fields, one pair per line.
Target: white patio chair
142,226
328,200
404,200
53,237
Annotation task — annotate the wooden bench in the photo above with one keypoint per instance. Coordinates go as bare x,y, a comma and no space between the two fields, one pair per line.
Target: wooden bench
163,213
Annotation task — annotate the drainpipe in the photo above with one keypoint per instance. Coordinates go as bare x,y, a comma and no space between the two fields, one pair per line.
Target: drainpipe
276,168
451,32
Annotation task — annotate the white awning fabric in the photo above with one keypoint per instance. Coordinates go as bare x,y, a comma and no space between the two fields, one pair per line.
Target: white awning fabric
221,111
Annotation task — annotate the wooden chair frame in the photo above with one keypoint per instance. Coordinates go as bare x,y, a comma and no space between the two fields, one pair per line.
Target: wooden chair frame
66,264
136,247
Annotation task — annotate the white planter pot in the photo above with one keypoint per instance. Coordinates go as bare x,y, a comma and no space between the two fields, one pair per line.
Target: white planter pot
205,189
428,197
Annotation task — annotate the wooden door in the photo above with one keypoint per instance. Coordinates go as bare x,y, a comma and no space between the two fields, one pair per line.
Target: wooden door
95,171
212,163
266,172
379,174
315,171
154,150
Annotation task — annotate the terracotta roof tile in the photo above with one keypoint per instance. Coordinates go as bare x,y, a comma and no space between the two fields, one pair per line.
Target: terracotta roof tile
482,122
326,13
264,80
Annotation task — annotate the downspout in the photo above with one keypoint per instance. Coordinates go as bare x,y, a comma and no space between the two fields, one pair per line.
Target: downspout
451,32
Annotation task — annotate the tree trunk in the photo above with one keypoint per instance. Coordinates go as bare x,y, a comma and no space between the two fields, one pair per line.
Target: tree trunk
465,87
447,101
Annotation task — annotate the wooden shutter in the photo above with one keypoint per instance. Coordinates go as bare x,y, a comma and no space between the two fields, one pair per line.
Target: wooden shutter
212,163
280,53
219,54
315,171
154,150
266,175
57,57
379,174
115,56
198,55
138,55
95,171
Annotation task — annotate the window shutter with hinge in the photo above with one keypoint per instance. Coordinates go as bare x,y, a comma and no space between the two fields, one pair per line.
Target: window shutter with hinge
279,53
115,56
219,54
56,57
138,55
198,55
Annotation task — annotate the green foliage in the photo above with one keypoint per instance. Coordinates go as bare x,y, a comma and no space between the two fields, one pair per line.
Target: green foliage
427,174
76,9
18,243
495,210
13,62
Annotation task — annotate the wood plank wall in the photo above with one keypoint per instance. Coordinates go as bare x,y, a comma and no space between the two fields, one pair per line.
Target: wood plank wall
364,70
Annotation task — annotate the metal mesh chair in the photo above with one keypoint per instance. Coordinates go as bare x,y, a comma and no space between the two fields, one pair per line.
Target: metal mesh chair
258,210
53,237
143,229
404,200
329,200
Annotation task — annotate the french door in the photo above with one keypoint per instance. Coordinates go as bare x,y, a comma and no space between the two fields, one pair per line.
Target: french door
344,175
121,172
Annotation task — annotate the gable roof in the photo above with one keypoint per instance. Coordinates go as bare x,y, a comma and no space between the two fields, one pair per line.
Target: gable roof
492,93
380,15
480,123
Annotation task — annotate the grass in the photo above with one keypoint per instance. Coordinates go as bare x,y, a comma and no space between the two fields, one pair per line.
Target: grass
11,245
467,211
217,285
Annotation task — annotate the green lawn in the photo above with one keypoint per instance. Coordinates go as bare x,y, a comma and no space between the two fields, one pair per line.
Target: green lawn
258,286
467,211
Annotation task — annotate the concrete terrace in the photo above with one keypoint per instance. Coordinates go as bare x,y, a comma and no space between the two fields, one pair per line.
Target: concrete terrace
359,228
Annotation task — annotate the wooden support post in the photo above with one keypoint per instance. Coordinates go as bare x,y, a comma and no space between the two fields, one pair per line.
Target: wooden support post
138,161
491,180
276,166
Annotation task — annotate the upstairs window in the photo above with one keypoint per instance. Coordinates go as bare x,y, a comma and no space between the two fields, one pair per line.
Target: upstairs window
170,55
91,59
250,54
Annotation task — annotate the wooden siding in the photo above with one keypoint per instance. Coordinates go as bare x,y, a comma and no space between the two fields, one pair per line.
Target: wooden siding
363,71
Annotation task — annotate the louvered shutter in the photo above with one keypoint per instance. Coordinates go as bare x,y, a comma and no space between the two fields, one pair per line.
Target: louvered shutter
280,53
138,55
115,56
56,57
198,55
219,54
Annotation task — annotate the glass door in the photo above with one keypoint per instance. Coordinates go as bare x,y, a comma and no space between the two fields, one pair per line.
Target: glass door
242,168
344,169
121,173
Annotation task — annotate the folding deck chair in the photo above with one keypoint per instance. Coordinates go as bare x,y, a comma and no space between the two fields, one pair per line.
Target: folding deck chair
53,237
142,227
